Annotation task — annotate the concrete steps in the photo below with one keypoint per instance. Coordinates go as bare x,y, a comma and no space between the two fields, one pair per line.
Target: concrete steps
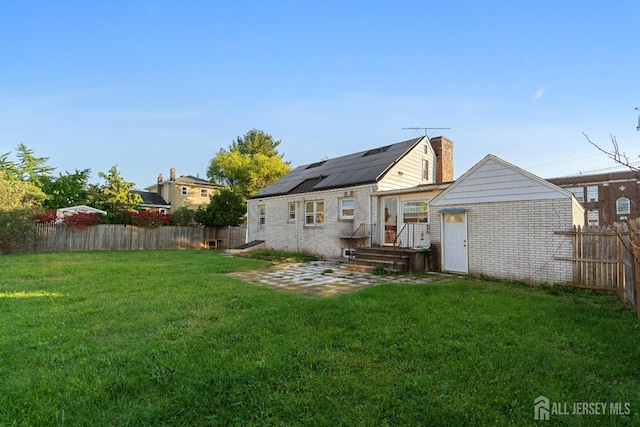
368,258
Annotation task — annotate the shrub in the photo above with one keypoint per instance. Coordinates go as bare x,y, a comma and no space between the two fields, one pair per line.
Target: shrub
81,220
379,270
149,219
16,229
183,216
46,217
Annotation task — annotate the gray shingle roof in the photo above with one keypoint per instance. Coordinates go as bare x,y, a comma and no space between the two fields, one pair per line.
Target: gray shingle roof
149,198
359,168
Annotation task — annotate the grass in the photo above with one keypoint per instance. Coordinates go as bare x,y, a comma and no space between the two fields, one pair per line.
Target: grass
164,337
279,256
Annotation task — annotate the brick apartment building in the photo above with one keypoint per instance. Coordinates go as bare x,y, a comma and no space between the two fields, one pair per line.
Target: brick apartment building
607,198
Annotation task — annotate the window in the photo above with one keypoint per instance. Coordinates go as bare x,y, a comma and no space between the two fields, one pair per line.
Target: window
262,215
415,212
578,192
623,206
184,190
314,213
592,193
204,192
292,211
593,217
425,169
162,211
347,208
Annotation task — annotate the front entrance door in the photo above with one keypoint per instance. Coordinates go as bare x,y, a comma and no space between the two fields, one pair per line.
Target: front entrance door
390,205
454,251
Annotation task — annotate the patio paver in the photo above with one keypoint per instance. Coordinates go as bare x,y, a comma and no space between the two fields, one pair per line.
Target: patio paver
326,278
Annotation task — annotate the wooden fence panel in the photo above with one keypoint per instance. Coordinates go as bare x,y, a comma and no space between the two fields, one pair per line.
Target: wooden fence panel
607,259
61,238
596,258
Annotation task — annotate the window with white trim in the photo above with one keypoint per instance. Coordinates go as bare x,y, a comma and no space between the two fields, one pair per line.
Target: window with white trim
593,217
592,193
204,192
292,211
347,208
425,169
314,212
623,206
184,190
578,192
262,215
415,212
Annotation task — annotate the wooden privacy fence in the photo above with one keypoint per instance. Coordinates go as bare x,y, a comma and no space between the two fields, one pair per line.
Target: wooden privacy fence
61,238
606,259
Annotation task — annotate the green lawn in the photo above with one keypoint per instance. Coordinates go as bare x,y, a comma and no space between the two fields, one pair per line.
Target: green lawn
164,337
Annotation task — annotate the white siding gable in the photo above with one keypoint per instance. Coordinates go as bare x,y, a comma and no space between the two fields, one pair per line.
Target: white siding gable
494,180
407,172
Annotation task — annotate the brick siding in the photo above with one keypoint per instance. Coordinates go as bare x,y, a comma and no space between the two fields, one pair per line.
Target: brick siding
516,240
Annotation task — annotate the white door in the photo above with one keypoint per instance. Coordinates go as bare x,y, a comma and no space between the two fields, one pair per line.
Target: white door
454,250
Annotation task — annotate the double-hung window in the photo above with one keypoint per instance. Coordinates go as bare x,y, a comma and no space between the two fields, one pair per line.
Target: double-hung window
204,192
292,211
347,208
592,193
314,212
623,206
262,215
184,190
578,192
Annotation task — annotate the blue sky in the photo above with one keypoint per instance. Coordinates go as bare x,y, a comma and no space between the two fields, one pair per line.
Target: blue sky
151,85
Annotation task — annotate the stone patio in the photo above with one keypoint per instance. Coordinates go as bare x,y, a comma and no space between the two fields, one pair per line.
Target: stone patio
326,278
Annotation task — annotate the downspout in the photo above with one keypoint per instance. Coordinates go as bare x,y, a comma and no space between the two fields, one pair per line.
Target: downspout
370,217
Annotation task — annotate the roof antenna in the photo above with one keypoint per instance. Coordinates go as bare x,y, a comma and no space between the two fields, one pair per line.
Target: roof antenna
638,128
426,129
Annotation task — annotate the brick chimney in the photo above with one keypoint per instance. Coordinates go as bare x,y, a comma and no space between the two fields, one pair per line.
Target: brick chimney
172,174
444,153
160,178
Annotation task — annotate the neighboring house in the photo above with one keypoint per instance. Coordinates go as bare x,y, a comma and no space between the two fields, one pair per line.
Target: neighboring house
500,220
64,212
607,198
177,192
369,195
152,202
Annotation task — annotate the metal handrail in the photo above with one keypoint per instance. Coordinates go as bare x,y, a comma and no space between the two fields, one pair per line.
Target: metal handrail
410,237
352,252
395,245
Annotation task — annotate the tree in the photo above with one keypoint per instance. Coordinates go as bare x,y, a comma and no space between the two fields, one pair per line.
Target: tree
18,194
20,201
28,168
114,196
256,142
66,190
226,208
251,163
62,191
183,216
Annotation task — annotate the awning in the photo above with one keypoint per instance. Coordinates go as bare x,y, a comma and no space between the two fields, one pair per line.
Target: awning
453,210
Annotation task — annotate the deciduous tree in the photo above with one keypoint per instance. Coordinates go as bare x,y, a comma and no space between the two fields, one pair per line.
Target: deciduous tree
19,201
69,189
251,163
225,209
114,195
